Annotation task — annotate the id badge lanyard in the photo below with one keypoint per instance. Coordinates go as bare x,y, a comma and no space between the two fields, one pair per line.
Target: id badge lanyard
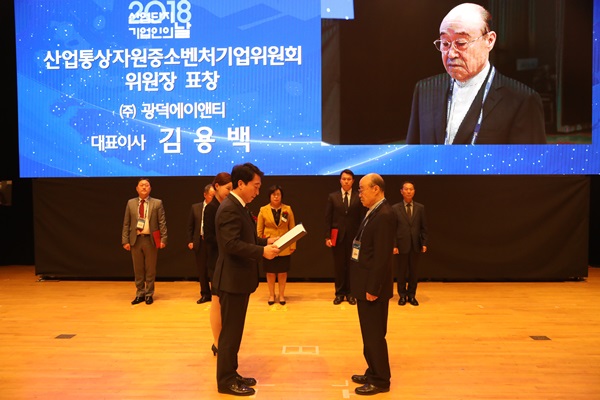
357,240
488,85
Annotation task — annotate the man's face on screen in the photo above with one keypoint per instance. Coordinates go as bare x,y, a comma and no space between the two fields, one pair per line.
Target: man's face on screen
470,44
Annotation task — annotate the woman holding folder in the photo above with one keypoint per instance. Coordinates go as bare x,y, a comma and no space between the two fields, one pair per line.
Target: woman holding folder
274,220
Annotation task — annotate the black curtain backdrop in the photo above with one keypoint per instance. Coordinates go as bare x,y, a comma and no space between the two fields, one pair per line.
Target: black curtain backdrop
499,228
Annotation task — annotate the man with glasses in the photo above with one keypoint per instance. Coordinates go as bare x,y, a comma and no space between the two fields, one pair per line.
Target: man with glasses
473,103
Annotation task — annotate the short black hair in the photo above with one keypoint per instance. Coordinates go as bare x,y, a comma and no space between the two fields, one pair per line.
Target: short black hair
347,171
245,173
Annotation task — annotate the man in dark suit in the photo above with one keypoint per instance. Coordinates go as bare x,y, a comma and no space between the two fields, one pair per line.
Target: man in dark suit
144,232
411,241
372,282
473,103
196,242
342,218
236,273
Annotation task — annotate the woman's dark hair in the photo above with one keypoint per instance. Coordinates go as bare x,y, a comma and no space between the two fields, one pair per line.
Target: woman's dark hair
222,178
274,188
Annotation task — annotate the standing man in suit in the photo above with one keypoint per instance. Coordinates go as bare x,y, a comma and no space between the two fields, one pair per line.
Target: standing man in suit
473,103
236,273
411,241
372,282
144,232
342,218
197,245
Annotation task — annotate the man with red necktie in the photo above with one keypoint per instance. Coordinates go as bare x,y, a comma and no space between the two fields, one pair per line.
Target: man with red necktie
144,232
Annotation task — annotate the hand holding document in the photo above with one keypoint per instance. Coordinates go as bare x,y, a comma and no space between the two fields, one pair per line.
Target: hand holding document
290,237
334,234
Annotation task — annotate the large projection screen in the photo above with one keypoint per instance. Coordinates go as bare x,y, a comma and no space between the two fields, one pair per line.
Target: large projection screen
190,88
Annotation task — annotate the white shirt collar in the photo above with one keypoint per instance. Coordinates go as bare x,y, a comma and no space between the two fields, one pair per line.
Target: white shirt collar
239,198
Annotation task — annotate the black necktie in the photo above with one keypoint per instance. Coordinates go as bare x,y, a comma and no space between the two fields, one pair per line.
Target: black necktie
408,212
202,221
346,204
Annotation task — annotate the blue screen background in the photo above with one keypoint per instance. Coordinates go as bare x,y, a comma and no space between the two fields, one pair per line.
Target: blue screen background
60,111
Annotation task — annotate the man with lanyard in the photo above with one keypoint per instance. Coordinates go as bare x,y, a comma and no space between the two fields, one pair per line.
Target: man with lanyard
371,283
473,103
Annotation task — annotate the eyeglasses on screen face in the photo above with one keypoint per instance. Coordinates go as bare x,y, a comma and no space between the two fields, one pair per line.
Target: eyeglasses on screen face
459,44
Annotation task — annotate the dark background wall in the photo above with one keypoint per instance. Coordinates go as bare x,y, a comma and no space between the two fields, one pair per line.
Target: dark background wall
483,228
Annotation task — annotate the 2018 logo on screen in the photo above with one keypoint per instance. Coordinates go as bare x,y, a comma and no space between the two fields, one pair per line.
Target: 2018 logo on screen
155,12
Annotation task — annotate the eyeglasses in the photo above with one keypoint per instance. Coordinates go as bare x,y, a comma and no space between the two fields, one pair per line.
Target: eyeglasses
459,44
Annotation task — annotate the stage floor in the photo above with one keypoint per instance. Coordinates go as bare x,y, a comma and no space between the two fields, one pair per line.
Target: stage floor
472,341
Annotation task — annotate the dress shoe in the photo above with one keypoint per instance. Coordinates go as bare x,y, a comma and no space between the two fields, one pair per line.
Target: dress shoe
137,300
282,302
413,301
351,300
246,381
338,300
367,389
237,389
203,299
214,350
362,379
402,301
271,302
149,300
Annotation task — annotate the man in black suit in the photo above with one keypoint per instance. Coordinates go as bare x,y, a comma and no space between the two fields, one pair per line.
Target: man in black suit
372,282
473,103
342,218
411,241
196,242
236,273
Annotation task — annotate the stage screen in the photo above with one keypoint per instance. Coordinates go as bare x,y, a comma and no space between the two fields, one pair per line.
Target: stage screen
193,87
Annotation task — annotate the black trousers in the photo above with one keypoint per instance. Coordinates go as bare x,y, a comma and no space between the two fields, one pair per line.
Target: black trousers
373,317
201,255
407,273
233,318
341,263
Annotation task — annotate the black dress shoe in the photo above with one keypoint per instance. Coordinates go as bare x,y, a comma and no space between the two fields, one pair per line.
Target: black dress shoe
137,300
402,301
338,300
271,302
149,300
214,350
351,300
237,389
367,389
203,299
246,381
362,379
413,301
